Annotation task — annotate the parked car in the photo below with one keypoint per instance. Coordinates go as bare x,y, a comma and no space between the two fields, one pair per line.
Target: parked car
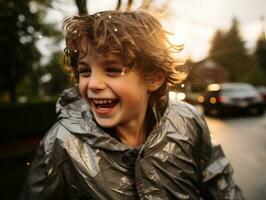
262,90
230,98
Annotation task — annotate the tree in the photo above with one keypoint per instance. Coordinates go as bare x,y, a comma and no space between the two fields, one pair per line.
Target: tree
218,49
229,50
257,72
53,79
260,51
146,5
20,27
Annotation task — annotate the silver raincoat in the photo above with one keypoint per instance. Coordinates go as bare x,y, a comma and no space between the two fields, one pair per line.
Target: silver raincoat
79,160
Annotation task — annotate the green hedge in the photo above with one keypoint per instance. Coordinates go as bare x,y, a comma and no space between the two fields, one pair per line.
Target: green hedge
26,120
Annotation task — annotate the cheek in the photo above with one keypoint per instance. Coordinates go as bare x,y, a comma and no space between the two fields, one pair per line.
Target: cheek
82,88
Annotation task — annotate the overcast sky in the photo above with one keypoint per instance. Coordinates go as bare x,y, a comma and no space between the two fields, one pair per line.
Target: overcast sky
192,21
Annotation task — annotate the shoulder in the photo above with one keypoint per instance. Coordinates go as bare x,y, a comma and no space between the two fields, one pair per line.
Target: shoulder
186,112
55,136
190,122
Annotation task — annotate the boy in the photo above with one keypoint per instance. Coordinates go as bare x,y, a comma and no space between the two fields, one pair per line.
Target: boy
124,139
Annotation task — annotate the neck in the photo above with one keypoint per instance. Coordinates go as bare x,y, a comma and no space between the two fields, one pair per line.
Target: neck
131,135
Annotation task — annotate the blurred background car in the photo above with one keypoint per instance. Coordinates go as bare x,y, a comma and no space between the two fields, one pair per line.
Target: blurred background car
262,90
232,98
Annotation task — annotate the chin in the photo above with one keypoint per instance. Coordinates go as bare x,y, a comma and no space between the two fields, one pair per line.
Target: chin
105,123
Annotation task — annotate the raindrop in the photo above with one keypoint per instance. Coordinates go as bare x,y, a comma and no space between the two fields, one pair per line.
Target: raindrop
21,18
38,35
10,5
46,78
22,99
19,24
33,7
25,39
30,29
10,13
35,66
22,40
50,171
123,71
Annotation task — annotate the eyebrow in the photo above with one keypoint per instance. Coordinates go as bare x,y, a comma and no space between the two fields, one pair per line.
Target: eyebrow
104,62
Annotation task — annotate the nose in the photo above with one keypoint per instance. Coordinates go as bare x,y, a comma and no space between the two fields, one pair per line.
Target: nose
96,82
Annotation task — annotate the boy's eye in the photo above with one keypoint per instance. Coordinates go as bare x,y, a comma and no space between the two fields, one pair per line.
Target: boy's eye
84,71
114,71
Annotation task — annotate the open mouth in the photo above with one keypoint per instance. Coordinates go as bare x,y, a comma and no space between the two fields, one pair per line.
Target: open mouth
104,104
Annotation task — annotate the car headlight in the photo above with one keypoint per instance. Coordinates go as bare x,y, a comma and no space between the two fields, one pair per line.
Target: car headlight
177,95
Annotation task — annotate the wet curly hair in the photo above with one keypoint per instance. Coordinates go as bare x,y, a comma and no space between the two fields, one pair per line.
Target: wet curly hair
136,36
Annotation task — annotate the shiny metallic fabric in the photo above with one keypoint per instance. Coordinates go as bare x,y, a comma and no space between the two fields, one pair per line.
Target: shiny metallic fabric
79,160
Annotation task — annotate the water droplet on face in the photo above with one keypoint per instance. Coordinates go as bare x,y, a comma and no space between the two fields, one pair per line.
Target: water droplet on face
123,71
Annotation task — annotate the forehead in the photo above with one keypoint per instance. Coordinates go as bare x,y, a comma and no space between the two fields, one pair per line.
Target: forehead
88,54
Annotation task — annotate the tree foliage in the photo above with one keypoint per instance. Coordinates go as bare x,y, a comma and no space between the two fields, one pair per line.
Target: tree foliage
21,26
154,7
53,80
228,48
257,72
260,51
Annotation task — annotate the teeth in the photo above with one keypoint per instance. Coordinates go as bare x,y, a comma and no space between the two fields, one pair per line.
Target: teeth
102,101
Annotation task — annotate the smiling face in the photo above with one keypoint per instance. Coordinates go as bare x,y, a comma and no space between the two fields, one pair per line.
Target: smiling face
117,98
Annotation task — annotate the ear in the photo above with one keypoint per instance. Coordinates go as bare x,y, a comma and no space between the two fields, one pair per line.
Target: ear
155,82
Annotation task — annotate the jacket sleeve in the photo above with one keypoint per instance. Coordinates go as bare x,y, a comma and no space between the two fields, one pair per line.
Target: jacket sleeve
218,180
44,181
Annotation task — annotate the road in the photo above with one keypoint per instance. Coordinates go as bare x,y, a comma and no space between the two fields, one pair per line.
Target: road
244,142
